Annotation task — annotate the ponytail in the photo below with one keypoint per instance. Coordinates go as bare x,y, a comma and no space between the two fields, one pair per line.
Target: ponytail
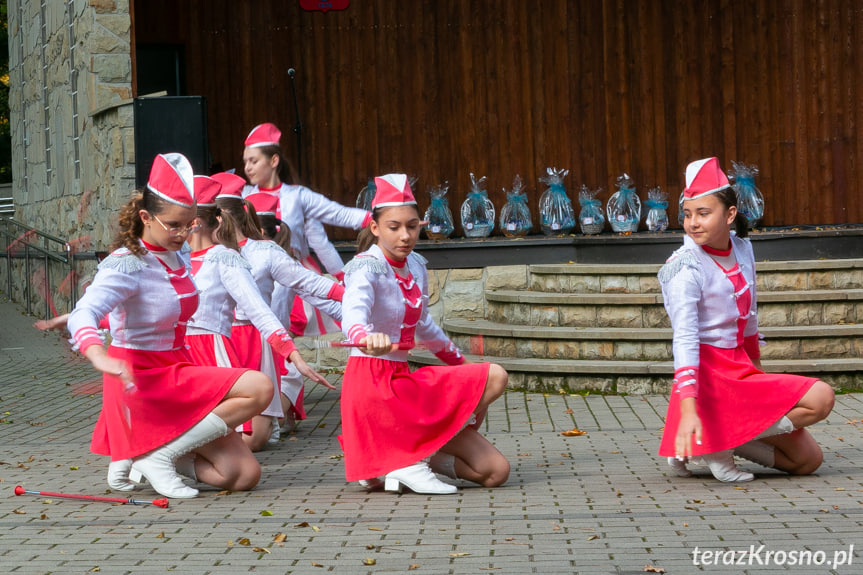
214,218
131,224
244,216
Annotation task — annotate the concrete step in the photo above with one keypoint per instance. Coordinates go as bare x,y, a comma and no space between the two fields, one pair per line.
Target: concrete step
641,278
638,377
640,310
654,344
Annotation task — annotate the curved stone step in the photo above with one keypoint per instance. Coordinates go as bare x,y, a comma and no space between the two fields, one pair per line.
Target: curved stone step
641,278
554,298
488,328
653,344
610,376
813,307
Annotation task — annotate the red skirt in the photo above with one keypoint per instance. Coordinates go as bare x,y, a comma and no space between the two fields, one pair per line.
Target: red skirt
736,401
212,349
255,353
170,396
392,417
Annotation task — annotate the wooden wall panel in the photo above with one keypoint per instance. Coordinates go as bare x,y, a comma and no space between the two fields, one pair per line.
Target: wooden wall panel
439,89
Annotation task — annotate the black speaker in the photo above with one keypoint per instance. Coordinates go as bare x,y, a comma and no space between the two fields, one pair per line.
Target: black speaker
170,124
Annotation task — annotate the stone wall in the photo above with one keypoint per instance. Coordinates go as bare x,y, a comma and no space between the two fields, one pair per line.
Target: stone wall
71,116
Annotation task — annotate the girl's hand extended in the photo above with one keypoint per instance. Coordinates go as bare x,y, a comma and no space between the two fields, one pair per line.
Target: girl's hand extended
689,425
307,371
376,344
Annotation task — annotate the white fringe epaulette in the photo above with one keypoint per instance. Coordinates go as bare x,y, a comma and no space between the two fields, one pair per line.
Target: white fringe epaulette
419,258
229,258
370,263
675,264
124,262
271,245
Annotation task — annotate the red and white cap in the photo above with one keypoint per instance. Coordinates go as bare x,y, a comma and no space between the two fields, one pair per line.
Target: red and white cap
393,190
232,185
171,178
704,177
264,203
263,135
206,190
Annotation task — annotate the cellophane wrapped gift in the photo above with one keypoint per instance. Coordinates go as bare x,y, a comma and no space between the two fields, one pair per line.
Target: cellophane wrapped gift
590,218
556,216
657,210
750,202
477,211
680,210
367,194
438,215
624,206
515,215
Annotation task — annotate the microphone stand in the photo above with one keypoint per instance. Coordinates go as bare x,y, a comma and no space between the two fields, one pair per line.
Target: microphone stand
298,127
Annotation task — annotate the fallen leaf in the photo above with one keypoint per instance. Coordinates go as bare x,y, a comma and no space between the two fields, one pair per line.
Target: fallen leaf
413,566
43,516
280,538
316,564
230,542
47,502
592,537
568,412
18,511
697,501
315,528
375,529
686,524
524,454
840,489
224,492
573,433
459,554
652,569
94,569
244,541
370,546
309,511
556,528
565,455
161,535
337,456
303,524
74,468
267,513
369,561
261,549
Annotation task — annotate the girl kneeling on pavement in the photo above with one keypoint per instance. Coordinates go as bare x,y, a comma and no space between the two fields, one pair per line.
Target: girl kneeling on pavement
397,423
722,404
156,404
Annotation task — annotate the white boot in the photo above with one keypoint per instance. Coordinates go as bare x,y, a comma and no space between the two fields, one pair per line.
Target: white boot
118,475
373,484
158,465
679,467
275,432
758,452
722,466
784,425
443,464
419,479
185,466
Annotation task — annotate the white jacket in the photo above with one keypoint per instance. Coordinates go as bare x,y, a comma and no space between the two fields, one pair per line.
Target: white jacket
224,282
701,302
136,294
373,301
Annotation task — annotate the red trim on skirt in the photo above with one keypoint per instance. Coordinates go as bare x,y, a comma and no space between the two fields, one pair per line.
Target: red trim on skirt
392,417
171,394
736,401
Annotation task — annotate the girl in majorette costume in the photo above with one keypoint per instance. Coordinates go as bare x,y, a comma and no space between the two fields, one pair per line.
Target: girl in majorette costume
291,383
225,281
720,395
156,404
392,418
304,211
270,265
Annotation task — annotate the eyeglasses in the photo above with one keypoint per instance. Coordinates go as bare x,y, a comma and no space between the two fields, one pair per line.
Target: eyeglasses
177,232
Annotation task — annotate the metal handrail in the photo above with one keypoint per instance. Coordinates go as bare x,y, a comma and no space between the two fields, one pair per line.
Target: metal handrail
65,256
